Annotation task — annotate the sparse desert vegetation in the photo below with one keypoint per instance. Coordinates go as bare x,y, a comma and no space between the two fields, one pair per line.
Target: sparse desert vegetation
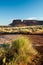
19,52
21,48
37,29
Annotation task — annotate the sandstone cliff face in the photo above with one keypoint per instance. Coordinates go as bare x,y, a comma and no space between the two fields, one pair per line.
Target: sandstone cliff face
26,22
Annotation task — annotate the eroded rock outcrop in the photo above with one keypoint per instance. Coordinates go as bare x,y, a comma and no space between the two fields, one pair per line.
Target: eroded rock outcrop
26,22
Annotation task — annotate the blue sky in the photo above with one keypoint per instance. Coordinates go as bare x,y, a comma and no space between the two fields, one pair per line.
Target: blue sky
20,9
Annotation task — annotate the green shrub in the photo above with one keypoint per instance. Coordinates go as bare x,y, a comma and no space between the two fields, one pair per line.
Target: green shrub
23,45
24,51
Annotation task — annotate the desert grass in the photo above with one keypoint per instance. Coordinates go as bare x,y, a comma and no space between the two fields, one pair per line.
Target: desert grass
19,52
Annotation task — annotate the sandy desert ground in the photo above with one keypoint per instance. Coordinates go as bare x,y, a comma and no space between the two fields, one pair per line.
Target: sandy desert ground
37,40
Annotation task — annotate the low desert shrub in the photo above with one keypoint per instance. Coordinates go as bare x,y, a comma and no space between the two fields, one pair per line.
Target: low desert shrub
24,50
20,52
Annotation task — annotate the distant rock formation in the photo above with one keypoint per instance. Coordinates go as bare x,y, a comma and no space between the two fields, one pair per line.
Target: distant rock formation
26,22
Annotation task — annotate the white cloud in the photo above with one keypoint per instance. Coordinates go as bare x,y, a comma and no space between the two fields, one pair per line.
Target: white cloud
34,18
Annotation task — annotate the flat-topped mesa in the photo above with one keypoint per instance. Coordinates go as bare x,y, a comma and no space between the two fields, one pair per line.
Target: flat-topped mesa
30,22
16,23
26,22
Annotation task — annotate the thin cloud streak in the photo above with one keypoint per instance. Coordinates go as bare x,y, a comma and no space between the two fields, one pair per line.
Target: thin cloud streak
34,18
